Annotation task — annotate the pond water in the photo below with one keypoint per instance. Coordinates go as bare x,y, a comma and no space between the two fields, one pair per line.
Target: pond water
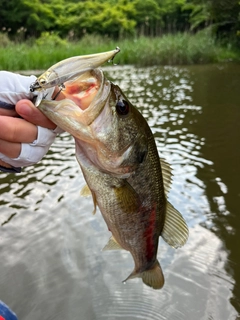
52,266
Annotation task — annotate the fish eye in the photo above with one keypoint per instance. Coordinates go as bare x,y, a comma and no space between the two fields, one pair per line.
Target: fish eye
122,107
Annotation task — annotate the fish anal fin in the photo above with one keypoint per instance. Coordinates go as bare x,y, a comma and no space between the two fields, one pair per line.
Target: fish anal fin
112,245
175,230
152,277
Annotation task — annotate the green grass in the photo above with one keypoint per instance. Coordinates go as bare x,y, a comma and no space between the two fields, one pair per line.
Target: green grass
178,49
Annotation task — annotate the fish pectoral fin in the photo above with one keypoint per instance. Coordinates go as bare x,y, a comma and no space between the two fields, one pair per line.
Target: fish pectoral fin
127,197
152,277
112,245
86,192
175,230
167,175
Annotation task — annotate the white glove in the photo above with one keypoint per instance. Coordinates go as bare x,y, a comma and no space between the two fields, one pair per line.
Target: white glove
32,153
14,87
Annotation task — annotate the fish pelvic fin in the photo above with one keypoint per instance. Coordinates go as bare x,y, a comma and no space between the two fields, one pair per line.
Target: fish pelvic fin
152,277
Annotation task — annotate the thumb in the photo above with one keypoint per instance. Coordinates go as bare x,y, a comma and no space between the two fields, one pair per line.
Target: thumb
27,110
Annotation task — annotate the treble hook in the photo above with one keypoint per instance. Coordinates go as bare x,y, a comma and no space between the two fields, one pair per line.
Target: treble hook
61,87
111,60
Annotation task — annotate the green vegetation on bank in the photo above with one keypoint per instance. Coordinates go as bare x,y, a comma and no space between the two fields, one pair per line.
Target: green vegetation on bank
36,33
180,48
118,18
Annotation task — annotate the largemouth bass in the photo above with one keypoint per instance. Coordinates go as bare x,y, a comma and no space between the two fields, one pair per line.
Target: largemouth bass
116,151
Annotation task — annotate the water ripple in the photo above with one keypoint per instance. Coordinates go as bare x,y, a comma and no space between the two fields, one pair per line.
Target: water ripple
50,243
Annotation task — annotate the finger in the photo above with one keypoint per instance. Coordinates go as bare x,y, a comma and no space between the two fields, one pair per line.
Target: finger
5,164
17,130
10,149
27,110
6,112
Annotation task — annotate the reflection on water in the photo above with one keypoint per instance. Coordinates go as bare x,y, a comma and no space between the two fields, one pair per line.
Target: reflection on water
52,266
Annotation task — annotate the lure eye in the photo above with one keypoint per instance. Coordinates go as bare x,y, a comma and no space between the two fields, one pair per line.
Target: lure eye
42,81
122,107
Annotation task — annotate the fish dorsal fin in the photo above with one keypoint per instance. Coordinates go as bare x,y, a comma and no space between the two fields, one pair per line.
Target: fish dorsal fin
112,245
175,230
167,175
86,192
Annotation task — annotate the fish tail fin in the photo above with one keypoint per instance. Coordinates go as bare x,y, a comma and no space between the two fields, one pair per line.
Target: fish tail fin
152,277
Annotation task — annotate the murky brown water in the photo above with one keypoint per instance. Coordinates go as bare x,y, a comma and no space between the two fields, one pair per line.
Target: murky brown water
52,266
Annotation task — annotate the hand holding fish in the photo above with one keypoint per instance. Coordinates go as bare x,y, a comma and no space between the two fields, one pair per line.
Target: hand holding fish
26,134
15,130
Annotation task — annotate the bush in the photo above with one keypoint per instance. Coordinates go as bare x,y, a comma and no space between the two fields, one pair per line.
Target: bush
50,39
93,40
4,40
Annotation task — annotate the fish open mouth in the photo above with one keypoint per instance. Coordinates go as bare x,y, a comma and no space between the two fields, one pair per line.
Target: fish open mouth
84,89
79,103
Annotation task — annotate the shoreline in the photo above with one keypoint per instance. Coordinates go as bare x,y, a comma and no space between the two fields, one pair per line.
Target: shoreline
178,49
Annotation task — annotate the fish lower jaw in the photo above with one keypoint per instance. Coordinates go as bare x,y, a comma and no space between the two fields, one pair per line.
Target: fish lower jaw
57,107
66,105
